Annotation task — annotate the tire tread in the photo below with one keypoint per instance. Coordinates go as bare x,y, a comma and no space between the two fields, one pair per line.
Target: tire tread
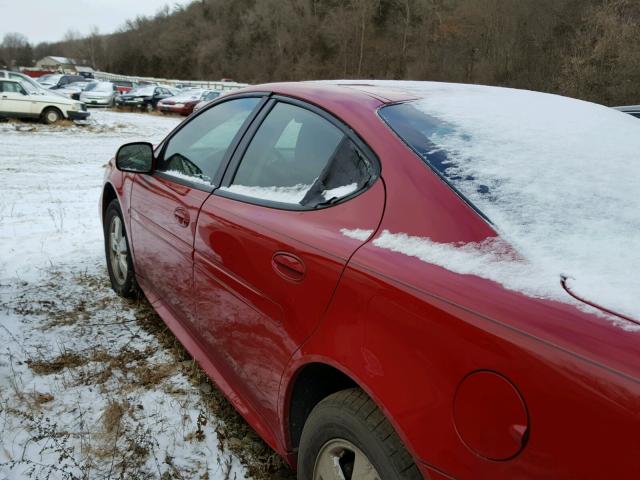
357,402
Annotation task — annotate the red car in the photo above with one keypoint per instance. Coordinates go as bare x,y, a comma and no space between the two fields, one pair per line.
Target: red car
124,86
183,103
399,280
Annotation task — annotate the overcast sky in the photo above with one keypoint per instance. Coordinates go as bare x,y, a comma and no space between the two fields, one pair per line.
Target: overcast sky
49,20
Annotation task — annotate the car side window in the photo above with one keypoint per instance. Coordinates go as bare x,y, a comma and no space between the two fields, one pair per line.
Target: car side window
12,87
298,157
195,152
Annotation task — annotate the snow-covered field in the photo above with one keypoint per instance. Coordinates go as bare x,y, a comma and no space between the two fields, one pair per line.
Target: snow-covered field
92,386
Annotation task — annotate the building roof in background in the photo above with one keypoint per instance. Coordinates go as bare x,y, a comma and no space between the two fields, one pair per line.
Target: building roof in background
62,60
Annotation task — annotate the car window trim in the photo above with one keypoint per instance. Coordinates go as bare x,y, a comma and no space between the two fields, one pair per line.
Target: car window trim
230,151
241,149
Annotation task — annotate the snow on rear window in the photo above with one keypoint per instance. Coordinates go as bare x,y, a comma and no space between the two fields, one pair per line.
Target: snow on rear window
559,178
339,192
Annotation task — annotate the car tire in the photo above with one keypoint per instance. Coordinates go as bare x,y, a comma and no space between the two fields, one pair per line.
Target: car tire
118,253
347,430
51,115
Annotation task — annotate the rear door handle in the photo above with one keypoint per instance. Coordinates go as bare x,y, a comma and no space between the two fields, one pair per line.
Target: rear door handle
288,266
182,216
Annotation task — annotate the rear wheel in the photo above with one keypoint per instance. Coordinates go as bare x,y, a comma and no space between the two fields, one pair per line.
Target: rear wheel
347,437
51,115
116,244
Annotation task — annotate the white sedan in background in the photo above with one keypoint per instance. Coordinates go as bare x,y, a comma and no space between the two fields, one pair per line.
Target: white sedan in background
16,102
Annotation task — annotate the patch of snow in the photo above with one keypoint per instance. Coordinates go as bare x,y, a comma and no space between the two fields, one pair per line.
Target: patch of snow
293,194
340,192
200,180
493,259
356,233
558,177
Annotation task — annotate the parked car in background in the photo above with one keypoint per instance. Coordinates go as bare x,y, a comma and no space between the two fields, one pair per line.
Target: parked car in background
183,103
145,97
633,110
17,102
58,80
400,280
29,83
99,94
124,86
209,96
72,90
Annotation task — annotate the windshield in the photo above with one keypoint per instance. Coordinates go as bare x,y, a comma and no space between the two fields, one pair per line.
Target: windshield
49,79
211,95
188,95
143,91
559,178
99,87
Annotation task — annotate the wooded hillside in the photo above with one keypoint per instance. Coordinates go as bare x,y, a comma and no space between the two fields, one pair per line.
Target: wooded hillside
583,48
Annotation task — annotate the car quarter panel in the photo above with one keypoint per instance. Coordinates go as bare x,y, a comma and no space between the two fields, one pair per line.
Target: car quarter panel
410,332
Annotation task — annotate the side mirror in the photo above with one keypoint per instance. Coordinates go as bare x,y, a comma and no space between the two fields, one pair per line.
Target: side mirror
135,157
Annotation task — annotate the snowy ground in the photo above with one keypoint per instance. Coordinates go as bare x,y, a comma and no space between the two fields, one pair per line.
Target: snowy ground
92,386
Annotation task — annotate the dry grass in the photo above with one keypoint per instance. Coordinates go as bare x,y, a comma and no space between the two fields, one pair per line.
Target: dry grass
122,439
57,364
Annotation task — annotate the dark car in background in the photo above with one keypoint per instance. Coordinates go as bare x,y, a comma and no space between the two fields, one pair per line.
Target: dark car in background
633,110
58,80
184,102
146,97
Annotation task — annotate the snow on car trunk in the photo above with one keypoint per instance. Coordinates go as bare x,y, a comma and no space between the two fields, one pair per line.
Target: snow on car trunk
559,178
90,385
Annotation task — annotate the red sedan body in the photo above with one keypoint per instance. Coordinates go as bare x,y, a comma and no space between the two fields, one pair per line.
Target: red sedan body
182,104
169,105
280,309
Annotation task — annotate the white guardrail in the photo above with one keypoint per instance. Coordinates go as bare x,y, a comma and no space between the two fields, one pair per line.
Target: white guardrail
210,85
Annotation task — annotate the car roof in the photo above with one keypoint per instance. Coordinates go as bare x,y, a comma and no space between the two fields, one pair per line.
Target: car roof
315,90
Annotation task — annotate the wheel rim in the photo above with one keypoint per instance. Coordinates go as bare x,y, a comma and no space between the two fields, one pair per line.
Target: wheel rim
118,252
52,116
340,459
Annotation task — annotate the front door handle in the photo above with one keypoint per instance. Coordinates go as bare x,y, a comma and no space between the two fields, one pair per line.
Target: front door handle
288,266
181,216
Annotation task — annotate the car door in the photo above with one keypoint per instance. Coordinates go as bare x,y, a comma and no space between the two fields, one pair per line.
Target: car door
300,196
14,99
165,205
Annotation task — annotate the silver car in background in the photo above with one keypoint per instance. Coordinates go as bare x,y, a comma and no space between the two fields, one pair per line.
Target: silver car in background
206,98
72,90
101,94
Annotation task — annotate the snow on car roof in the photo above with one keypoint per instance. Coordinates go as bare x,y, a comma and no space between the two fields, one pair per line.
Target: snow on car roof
558,177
